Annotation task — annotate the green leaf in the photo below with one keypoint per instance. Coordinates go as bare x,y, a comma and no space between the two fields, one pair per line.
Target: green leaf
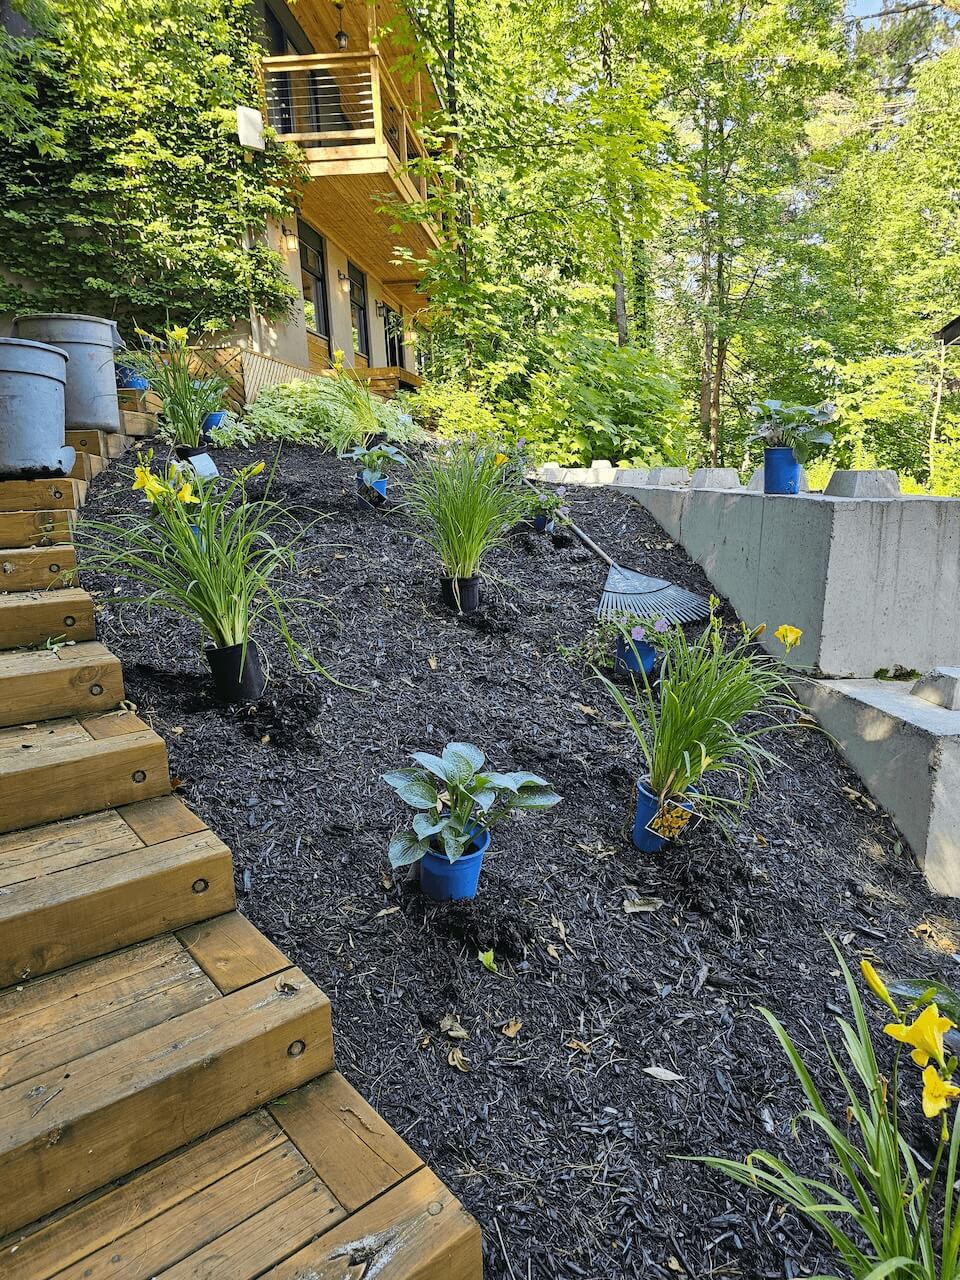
487,960
425,827
405,849
461,761
413,788
433,764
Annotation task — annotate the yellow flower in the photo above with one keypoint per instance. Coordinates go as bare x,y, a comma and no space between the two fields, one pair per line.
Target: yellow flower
937,1093
788,636
877,985
178,333
256,468
500,459
151,485
925,1033
185,493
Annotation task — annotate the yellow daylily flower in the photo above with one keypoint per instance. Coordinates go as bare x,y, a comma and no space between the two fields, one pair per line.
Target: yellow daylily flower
877,985
937,1093
500,459
925,1034
185,493
178,333
151,485
788,636
256,468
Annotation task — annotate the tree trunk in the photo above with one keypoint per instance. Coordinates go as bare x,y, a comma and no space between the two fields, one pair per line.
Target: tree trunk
938,400
619,282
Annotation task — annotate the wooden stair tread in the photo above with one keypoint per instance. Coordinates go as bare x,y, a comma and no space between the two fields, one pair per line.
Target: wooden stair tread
34,617
35,528
78,678
61,493
37,568
70,1128
250,1198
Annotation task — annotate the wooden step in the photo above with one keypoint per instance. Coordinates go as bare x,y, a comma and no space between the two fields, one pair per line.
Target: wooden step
36,568
39,495
81,888
62,768
102,444
138,424
73,1127
34,617
72,679
139,401
35,528
87,466
250,1200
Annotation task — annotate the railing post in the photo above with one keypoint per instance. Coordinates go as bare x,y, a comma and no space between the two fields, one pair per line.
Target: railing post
376,99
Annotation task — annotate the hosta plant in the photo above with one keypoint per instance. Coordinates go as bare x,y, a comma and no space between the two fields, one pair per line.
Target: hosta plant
375,462
800,427
456,797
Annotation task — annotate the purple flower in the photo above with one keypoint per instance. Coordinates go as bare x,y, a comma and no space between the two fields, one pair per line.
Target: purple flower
661,625
637,633
561,489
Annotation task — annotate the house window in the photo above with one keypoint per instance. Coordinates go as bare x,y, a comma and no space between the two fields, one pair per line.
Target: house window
393,334
313,277
358,310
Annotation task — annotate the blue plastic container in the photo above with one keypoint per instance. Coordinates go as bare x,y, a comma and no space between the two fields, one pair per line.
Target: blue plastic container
543,523
129,380
369,497
212,422
635,656
781,471
445,881
647,806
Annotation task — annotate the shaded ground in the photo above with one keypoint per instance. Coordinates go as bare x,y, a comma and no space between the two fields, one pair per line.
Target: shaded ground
557,1140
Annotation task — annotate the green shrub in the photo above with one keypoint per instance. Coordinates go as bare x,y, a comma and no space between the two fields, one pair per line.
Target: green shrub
453,412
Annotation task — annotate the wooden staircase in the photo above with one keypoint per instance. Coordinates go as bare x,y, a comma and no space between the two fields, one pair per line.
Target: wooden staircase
169,1105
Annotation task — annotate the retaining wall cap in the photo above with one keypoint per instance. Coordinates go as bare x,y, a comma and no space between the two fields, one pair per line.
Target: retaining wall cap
675,476
756,482
715,478
941,687
863,484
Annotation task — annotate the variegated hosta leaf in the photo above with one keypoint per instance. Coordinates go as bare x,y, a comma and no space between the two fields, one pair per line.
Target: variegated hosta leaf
413,788
405,849
462,760
433,764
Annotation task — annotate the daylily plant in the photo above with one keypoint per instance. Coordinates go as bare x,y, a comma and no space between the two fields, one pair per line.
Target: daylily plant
456,798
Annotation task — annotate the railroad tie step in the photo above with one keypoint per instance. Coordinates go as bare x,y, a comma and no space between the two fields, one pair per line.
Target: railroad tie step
40,617
64,679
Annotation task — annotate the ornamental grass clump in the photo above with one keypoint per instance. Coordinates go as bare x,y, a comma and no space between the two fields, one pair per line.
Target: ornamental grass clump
697,727
206,551
885,1212
175,372
463,508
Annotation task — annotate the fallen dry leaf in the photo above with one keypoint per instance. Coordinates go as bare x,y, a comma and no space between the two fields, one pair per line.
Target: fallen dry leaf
587,711
579,1046
663,1074
387,911
552,951
456,1059
634,905
559,926
452,1028
432,664
511,1029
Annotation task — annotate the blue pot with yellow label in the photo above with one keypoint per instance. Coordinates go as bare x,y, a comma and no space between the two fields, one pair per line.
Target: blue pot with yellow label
648,806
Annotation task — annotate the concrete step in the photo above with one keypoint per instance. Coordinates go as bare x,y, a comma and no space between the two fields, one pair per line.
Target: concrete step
34,617
84,887
63,768
73,679
315,1186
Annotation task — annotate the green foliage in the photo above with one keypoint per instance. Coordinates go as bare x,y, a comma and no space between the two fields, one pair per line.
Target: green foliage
695,728
188,394
463,506
333,413
456,798
876,1205
375,463
800,427
207,553
127,192
453,411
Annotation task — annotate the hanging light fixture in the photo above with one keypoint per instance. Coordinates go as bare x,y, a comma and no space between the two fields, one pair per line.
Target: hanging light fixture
342,38
291,241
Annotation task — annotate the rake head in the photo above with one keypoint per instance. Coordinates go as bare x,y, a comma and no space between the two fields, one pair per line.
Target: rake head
627,591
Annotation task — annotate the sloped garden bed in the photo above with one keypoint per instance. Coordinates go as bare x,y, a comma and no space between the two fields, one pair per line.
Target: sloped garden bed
546,1119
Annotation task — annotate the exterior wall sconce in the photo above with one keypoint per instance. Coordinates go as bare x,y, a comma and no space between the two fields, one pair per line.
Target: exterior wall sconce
291,241
381,309
342,38
344,281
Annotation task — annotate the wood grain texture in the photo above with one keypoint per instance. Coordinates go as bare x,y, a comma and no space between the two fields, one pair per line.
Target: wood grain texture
36,568
35,528
31,618
54,920
138,424
39,495
64,1133
232,952
72,680
351,1147
161,819
62,846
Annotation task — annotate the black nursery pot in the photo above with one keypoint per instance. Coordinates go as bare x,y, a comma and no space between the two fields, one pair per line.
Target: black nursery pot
468,590
237,677
185,451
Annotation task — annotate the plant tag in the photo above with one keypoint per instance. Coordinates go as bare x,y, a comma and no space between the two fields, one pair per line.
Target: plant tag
671,820
203,465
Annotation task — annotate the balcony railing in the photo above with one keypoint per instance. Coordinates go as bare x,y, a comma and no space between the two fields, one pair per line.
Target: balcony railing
345,104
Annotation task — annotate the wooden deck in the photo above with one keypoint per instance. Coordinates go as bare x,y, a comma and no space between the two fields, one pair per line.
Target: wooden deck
169,1104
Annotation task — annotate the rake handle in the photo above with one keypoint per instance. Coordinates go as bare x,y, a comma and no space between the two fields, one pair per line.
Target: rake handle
587,541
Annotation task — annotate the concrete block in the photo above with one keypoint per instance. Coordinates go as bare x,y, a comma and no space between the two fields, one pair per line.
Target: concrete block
668,476
666,505
907,753
863,484
630,475
603,465
715,478
551,472
941,687
755,484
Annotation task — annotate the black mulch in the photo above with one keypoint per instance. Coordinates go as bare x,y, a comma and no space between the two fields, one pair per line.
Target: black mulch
557,1140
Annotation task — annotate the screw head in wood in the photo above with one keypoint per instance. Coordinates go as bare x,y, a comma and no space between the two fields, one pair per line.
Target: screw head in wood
54,568
294,1050
96,690
434,1208
201,885
69,620
139,776
57,493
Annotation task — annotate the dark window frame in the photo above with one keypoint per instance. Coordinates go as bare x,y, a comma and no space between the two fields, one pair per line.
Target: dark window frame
313,240
394,341
359,310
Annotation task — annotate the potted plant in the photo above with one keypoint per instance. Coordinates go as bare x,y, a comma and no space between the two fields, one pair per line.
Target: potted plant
695,728
551,510
204,551
192,395
463,510
457,803
372,478
790,434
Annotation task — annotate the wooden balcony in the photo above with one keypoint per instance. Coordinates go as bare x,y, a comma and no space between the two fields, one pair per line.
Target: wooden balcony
358,136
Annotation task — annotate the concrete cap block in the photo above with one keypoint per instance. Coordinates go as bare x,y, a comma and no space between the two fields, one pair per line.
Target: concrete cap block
756,482
941,687
863,484
668,476
636,476
602,464
715,478
552,472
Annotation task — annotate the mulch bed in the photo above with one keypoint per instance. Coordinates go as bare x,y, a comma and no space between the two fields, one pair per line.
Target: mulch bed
558,1139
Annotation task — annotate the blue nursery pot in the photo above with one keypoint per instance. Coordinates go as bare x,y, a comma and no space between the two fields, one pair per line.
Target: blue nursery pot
445,881
781,471
129,380
542,523
212,422
369,497
647,806
634,655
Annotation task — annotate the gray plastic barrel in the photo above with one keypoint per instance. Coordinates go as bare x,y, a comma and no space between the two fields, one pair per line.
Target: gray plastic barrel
32,380
91,401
